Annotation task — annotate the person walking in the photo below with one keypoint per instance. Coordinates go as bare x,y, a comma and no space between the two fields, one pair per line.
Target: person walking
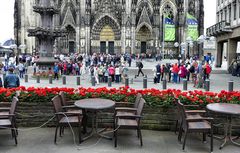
56,71
175,71
21,69
11,80
140,67
158,73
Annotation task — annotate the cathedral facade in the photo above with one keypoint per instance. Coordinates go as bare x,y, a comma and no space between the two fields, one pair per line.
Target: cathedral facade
111,26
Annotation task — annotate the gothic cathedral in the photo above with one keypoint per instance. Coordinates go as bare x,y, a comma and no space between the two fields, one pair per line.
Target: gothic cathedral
111,26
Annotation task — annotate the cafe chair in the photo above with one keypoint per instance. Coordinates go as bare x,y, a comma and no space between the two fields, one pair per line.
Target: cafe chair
191,111
195,125
8,119
68,106
63,118
128,110
130,122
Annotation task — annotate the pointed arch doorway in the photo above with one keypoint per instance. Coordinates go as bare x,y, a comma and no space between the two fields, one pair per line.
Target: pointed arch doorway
107,38
144,36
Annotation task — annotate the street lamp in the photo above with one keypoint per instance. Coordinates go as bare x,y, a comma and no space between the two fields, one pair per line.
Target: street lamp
183,47
176,44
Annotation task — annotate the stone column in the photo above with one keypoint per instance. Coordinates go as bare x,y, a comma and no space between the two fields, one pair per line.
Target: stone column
219,54
231,51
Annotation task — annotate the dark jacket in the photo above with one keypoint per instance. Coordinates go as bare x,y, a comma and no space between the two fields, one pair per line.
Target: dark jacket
11,81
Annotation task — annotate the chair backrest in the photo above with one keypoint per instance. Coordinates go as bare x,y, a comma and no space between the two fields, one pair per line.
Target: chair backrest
13,105
63,98
56,101
182,111
140,106
138,98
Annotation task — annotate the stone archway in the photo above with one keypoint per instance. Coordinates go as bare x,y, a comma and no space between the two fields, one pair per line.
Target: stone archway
106,33
144,38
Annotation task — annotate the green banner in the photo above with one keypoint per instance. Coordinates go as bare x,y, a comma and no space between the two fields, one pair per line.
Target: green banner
192,30
170,31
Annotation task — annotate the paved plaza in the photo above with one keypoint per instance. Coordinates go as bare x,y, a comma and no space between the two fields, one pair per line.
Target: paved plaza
218,80
41,141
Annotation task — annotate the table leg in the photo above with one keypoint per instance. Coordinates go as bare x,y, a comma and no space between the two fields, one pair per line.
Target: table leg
100,131
90,134
228,133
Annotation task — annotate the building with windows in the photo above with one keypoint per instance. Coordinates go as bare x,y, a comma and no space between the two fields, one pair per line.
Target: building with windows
113,26
226,30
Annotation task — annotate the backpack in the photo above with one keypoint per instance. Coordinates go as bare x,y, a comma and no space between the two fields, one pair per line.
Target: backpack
208,69
192,69
141,65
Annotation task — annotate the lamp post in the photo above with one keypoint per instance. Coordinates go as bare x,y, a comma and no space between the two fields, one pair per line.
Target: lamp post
183,48
176,44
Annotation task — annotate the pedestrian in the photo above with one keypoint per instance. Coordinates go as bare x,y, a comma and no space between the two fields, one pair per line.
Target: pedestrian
21,69
11,80
140,67
158,73
175,71
117,74
56,71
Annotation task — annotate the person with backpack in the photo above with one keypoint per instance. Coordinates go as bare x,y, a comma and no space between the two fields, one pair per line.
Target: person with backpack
207,71
140,67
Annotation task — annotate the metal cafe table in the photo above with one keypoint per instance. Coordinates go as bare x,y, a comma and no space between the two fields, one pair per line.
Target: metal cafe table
228,110
94,105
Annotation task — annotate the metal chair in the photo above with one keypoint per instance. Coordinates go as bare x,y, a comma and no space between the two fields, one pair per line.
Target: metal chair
130,122
128,110
195,111
194,125
8,120
65,118
70,108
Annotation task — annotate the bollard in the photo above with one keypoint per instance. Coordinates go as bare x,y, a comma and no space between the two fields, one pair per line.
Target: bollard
145,82
78,80
164,84
93,81
230,86
50,79
38,78
64,79
185,84
109,81
207,85
26,78
131,81
126,82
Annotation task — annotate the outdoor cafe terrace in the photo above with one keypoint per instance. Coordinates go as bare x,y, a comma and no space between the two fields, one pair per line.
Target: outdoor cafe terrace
105,120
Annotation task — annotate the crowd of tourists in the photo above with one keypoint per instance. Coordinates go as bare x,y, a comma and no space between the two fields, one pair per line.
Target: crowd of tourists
190,69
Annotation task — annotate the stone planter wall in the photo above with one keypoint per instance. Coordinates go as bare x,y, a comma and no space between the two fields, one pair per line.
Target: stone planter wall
35,114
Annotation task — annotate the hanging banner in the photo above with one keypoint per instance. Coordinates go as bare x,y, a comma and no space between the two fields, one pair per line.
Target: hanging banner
192,30
169,31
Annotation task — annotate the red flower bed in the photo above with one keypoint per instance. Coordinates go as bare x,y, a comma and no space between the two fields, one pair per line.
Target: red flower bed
153,97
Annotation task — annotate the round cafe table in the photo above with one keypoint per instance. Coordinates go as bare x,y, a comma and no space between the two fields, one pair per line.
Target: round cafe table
228,110
95,105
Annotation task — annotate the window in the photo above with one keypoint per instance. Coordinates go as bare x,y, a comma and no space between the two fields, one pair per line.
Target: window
225,12
230,14
234,11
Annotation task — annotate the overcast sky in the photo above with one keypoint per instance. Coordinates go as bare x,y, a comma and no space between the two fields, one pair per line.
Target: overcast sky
7,22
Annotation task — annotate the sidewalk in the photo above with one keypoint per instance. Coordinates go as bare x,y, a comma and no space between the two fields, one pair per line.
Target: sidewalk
41,141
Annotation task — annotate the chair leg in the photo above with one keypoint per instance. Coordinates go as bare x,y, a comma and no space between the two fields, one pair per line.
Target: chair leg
56,131
211,140
140,135
115,135
80,134
15,136
204,137
60,131
176,127
185,138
